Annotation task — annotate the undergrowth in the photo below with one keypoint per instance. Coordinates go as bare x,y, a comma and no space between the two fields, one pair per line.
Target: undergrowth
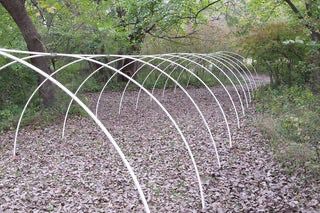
290,118
11,105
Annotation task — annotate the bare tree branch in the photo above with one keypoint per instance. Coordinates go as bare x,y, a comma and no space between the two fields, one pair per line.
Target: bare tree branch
205,7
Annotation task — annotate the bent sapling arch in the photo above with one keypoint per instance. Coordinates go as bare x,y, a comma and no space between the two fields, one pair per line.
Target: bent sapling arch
228,60
157,79
210,67
206,86
199,56
163,109
196,106
36,90
229,66
78,89
241,64
180,74
88,111
224,64
146,78
167,79
243,58
161,57
137,71
233,64
248,81
226,57
105,85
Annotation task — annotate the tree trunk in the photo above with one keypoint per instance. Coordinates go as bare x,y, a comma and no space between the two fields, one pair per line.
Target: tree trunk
289,73
270,71
128,67
315,36
104,73
17,10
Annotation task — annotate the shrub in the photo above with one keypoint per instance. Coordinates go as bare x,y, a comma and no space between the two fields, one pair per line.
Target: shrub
286,53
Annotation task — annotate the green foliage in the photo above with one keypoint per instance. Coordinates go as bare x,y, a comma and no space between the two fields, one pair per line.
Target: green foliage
260,12
9,32
282,38
143,14
284,99
157,18
295,114
13,93
76,26
111,26
209,37
283,52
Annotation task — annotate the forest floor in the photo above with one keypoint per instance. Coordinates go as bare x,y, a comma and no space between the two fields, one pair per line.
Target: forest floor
83,172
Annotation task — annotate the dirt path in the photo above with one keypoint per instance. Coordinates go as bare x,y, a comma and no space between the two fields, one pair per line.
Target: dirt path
83,173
